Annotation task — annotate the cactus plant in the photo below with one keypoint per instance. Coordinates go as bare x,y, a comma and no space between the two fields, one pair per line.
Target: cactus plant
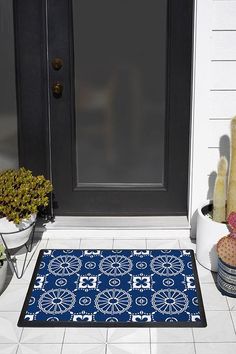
226,249
220,190
231,198
219,196
226,246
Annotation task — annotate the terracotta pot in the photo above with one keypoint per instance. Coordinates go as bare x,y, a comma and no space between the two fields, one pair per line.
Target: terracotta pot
16,235
208,234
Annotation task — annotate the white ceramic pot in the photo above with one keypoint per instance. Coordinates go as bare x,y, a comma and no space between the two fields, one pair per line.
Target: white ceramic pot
208,234
16,235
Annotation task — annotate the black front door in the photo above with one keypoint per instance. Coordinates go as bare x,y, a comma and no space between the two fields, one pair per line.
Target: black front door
115,103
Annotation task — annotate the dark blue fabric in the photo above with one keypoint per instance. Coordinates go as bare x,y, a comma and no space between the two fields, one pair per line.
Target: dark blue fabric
114,286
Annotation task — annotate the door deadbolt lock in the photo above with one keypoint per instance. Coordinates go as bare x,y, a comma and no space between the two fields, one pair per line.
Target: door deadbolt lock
57,89
57,63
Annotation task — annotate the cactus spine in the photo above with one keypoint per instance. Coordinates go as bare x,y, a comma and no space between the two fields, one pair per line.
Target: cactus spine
219,196
231,198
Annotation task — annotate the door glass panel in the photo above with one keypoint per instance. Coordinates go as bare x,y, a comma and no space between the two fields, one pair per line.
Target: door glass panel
120,90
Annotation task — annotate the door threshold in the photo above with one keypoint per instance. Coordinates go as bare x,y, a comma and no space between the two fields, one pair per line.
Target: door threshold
119,222
127,227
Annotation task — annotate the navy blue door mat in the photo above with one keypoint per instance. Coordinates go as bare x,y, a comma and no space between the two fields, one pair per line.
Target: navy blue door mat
114,288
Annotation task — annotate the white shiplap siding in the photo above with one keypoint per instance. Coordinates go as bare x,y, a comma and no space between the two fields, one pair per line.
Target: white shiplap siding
222,104
223,15
214,93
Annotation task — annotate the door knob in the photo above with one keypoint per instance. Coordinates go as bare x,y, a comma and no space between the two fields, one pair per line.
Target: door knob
57,63
57,89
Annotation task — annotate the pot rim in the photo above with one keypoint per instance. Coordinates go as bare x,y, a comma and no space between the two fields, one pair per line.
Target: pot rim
227,264
204,204
33,217
16,232
204,216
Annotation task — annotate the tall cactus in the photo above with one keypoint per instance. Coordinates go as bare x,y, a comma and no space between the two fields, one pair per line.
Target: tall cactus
219,196
231,198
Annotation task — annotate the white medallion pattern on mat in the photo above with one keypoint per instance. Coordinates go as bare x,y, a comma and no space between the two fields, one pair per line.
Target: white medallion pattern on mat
64,265
115,265
167,265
